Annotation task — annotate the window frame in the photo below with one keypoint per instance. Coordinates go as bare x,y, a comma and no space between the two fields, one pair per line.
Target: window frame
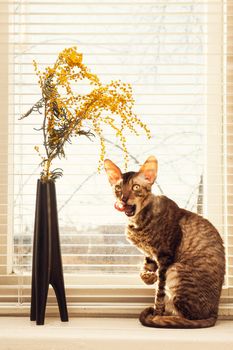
129,295
4,127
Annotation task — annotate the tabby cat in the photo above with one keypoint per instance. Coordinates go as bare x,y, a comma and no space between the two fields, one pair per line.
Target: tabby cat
184,253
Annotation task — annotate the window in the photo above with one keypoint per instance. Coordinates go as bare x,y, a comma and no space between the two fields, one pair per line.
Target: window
177,56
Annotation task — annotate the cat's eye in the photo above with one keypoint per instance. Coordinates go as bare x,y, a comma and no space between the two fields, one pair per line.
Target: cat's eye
136,187
118,188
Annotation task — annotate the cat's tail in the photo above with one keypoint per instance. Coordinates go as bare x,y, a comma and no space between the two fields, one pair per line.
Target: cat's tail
175,321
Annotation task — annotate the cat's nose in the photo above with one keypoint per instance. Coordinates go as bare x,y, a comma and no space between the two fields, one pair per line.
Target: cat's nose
124,199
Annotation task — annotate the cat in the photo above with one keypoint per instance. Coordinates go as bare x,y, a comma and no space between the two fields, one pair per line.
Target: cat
184,253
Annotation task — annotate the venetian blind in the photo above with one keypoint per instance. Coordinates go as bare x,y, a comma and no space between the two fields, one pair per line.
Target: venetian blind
177,56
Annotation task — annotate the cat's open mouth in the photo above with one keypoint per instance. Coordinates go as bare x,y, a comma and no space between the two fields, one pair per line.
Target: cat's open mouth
128,209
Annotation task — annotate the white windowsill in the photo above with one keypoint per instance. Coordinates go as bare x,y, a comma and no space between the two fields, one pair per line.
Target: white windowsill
18,333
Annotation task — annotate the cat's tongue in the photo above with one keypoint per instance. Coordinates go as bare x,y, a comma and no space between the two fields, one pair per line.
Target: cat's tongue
119,206
129,210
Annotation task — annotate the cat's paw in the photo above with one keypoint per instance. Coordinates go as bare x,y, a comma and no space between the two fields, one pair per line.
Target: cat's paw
149,265
148,277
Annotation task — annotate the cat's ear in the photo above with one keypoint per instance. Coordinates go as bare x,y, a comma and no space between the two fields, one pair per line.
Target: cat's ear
149,169
113,172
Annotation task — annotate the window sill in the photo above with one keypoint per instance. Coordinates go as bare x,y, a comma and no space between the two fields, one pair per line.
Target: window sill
18,333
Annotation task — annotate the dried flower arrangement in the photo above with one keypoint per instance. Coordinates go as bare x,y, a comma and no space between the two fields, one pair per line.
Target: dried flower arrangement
65,111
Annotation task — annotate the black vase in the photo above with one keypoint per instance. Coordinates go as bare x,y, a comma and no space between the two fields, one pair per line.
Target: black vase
46,262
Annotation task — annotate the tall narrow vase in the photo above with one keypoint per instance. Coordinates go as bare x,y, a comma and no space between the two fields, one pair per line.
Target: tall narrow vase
47,262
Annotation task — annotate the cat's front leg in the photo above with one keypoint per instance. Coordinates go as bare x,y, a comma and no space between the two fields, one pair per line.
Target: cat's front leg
148,273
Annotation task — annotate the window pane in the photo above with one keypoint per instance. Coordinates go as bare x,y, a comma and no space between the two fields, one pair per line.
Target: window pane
161,49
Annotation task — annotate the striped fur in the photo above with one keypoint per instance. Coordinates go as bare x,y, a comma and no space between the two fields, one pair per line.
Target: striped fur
184,254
